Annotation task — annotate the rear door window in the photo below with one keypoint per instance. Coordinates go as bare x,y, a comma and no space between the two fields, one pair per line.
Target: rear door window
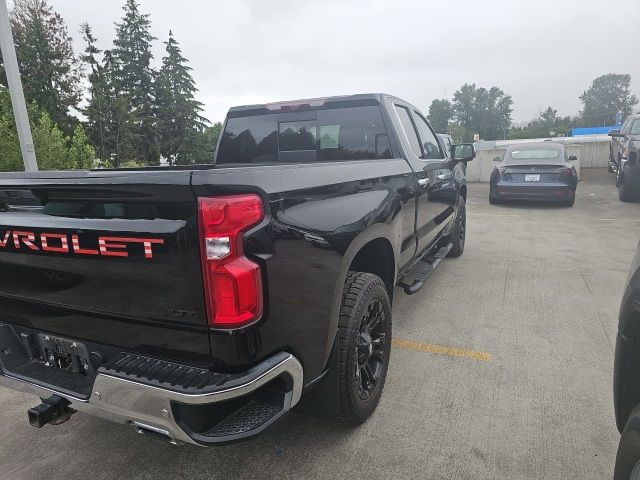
635,128
297,136
409,129
430,144
352,134
334,134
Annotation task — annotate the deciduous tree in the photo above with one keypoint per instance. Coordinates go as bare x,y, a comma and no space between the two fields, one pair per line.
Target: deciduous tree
54,150
607,95
440,114
478,110
50,71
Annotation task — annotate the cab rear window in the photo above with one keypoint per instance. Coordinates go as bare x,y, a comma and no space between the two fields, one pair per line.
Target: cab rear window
351,133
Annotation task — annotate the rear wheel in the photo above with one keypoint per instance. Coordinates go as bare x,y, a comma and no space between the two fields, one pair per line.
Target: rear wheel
570,202
364,342
493,199
628,457
628,188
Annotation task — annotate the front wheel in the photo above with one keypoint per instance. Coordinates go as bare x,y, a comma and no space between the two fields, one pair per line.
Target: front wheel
628,186
457,237
364,346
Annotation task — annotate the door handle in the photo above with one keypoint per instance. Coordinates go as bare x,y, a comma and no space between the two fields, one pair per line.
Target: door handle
423,182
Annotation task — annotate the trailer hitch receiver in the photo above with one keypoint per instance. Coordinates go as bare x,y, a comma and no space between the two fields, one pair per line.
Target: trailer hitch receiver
53,410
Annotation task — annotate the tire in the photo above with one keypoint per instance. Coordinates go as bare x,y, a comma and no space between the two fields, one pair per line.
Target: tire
611,162
364,346
493,199
570,202
628,188
628,456
457,237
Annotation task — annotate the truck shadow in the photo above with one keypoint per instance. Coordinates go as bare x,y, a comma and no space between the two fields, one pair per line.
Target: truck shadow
117,452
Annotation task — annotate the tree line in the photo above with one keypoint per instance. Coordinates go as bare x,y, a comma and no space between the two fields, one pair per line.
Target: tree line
487,112
115,105
119,108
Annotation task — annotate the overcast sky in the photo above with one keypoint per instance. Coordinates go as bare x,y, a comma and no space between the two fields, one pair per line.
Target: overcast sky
541,52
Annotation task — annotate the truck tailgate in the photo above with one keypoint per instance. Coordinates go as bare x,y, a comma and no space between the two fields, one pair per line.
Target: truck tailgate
106,257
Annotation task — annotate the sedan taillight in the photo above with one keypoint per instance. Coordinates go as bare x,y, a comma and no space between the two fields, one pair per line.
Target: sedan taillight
567,173
232,282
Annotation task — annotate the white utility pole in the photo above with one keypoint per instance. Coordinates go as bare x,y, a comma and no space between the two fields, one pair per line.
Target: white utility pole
15,90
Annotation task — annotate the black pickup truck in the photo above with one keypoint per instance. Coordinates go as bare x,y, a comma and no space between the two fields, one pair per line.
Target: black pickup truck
200,304
623,158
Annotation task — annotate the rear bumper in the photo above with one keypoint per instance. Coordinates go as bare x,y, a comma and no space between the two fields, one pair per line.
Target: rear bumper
236,408
533,191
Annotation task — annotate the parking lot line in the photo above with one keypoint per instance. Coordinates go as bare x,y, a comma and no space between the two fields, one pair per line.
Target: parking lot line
632,220
507,215
491,215
441,349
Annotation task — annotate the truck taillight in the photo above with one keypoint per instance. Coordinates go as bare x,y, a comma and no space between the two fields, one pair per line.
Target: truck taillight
232,282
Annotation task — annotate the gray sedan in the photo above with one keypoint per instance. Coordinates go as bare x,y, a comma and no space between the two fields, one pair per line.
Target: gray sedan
534,171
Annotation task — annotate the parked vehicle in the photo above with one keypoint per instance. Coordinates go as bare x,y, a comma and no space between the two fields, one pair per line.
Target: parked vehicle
199,304
626,389
446,141
623,159
534,171
620,139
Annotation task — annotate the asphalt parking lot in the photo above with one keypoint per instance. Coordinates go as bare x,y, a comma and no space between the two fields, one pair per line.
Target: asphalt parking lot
501,369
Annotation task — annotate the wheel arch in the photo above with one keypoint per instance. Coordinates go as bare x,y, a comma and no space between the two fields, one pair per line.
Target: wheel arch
463,192
376,257
362,254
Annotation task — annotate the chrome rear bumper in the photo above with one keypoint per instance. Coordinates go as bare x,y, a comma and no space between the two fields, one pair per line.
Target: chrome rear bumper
150,408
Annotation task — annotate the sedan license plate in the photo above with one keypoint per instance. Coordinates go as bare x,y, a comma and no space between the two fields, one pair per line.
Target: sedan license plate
532,177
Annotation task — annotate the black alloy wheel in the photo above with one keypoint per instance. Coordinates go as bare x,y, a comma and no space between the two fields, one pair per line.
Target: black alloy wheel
370,349
364,346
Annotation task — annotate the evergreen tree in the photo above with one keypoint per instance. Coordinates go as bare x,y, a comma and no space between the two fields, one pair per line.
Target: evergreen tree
133,82
180,123
50,71
122,131
99,103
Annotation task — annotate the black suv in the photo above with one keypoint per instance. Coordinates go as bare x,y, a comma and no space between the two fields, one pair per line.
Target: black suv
623,158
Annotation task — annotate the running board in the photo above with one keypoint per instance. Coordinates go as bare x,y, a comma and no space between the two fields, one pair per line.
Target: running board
432,262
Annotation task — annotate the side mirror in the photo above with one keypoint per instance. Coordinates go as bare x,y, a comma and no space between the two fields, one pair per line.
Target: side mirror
465,152
572,158
497,159
615,133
